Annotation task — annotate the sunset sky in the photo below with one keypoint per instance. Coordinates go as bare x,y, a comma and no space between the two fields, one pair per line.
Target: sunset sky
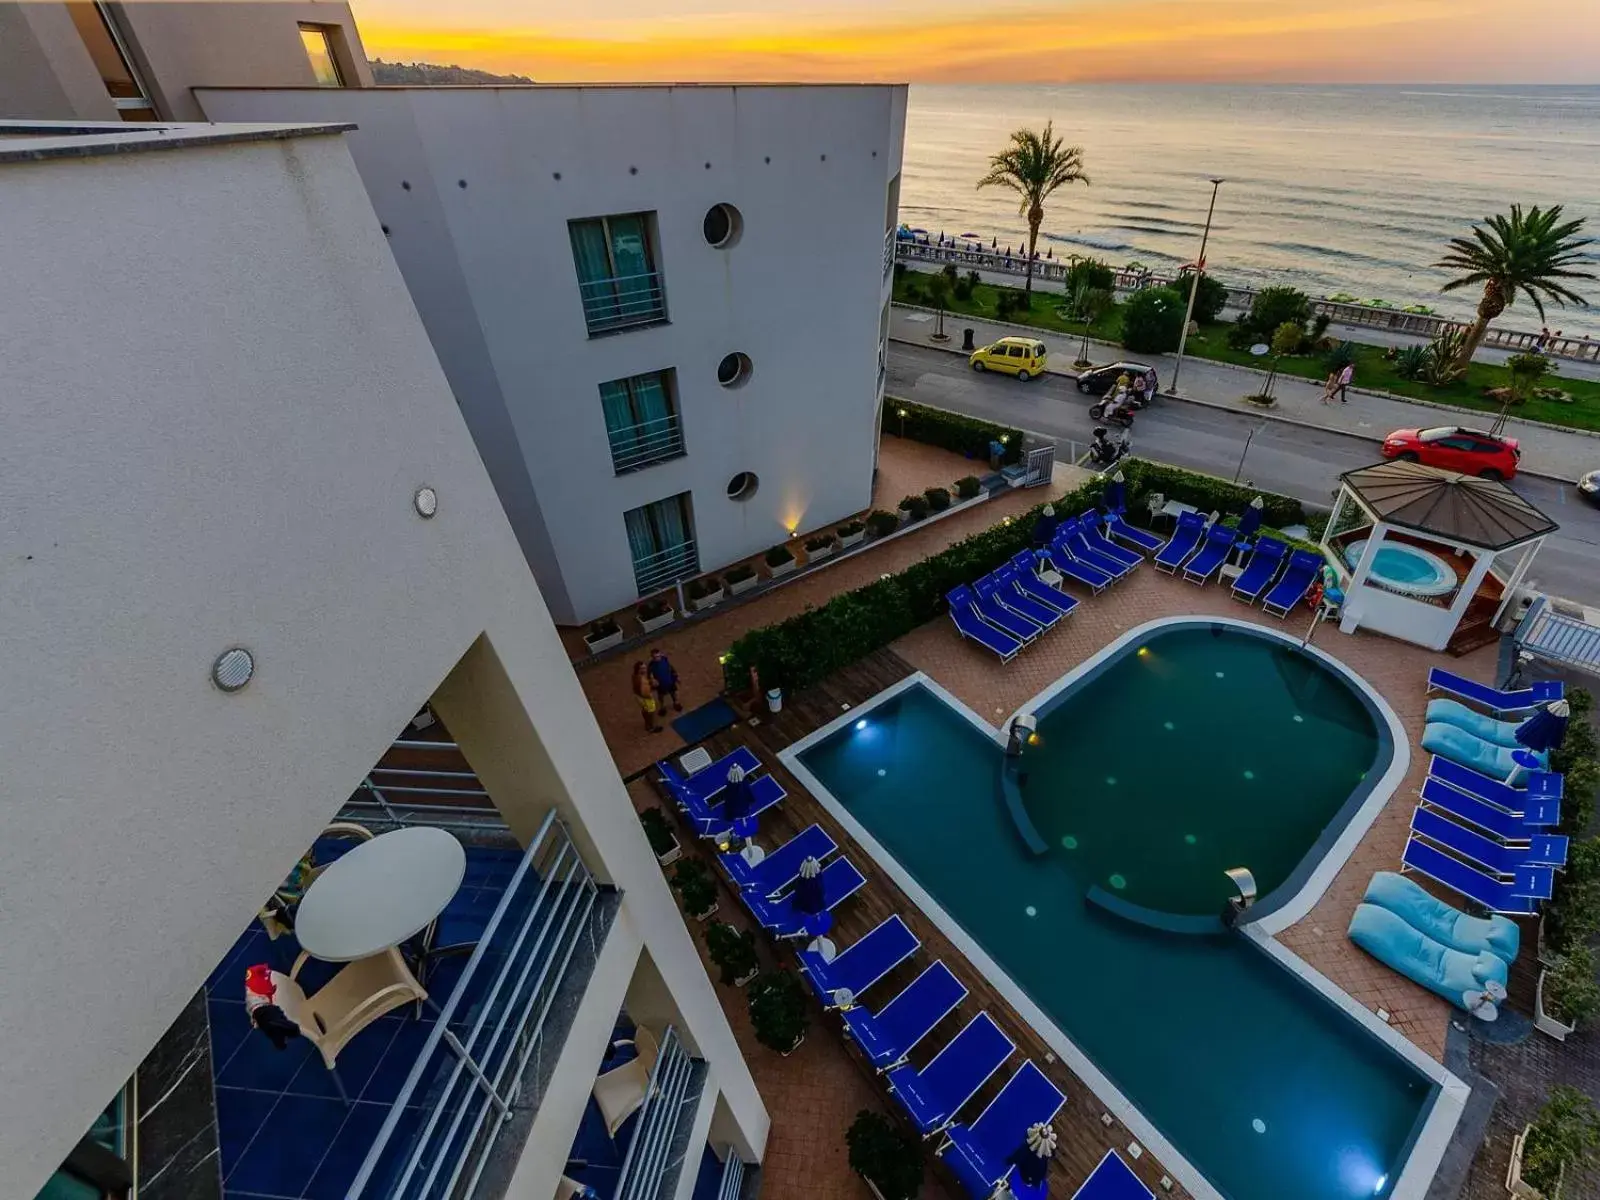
1537,41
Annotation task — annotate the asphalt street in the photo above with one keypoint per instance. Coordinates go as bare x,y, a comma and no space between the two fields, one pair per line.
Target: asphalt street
1289,459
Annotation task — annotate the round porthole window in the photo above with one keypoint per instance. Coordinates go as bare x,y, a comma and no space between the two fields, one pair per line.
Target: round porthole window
722,225
734,370
743,485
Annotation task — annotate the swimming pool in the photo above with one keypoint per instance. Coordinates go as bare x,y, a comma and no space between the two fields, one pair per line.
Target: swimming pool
1404,568
1251,1078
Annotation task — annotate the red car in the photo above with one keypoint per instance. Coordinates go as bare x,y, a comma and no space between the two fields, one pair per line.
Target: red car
1452,448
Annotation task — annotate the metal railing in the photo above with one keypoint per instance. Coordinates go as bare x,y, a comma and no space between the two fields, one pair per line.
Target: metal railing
623,301
732,1177
436,1139
888,253
665,567
636,446
665,1101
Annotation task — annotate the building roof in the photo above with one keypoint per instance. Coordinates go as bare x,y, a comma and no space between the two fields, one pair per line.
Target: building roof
41,141
1453,507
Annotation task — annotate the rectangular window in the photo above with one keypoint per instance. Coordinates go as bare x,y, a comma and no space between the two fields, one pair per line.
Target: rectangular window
318,41
661,540
97,1168
641,420
617,277
100,38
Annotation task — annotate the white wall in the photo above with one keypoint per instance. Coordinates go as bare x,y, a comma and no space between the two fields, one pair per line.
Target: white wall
218,402
801,293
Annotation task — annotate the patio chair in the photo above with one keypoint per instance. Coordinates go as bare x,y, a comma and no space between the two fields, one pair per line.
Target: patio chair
1260,571
1185,538
1007,593
979,1154
934,1095
1060,561
1293,584
1521,894
777,870
1492,855
359,993
1021,570
1495,699
1070,535
859,965
888,1035
1140,539
997,615
1209,559
1543,787
1112,1179
621,1091
840,881
969,624
1089,528
277,915
1508,827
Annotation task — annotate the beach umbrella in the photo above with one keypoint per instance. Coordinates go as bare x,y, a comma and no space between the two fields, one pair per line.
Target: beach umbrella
994,243
737,800
1044,529
1032,1158
1546,729
1116,497
808,896
1251,521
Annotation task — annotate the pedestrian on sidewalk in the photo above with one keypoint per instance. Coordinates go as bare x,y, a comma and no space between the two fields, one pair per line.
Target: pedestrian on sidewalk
664,678
1329,386
646,697
1345,377
1543,340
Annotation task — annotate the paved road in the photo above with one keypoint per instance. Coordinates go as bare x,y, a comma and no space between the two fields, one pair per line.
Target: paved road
1289,459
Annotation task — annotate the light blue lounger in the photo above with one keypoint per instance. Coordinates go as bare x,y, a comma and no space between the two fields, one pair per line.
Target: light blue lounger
860,964
1521,896
1496,701
1093,578
1185,537
1533,800
932,1096
1141,539
1433,918
1205,564
980,1154
888,1035
1453,712
1021,569
840,881
1089,527
1469,750
1450,973
1495,857
1260,571
782,867
1508,827
1112,1179
1293,584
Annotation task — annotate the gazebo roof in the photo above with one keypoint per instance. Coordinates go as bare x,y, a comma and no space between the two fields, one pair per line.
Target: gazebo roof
1456,508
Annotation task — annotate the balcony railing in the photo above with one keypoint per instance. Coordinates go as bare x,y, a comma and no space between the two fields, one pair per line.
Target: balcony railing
636,446
666,567
732,1182
623,301
888,253
437,1137
667,1101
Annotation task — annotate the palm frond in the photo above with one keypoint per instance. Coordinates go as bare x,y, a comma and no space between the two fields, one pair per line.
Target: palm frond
1521,251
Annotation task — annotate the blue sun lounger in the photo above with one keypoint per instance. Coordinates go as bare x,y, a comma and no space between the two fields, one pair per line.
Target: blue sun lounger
1002,618
1010,596
1089,527
862,963
1508,827
1260,571
1185,537
709,780
1113,1179
969,624
1496,701
1205,564
1522,894
1495,857
1141,539
979,1154
1538,804
840,881
1060,560
1295,582
888,1035
1070,535
710,820
932,1096
780,868
1022,569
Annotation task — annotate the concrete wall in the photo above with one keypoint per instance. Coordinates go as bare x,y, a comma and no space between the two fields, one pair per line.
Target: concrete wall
219,403
45,71
476,187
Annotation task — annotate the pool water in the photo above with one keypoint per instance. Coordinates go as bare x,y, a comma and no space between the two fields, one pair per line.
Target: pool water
1406,568
1258,1080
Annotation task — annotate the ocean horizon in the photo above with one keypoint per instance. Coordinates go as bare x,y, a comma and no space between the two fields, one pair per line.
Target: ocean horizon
1332,188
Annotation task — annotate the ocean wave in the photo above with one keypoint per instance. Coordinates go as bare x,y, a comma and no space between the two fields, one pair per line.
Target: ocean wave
1084,239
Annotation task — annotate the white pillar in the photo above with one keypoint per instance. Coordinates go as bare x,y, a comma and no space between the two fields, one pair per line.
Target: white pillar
1482,561
1350,617
1512,584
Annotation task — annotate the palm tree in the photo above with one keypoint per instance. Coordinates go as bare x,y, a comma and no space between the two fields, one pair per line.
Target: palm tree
1525,252
1035,165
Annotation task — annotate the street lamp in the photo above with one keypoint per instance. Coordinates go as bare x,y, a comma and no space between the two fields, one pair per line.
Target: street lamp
1194,288
902,424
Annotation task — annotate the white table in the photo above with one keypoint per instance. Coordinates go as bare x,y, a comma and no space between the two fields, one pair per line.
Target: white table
1175,509
379,894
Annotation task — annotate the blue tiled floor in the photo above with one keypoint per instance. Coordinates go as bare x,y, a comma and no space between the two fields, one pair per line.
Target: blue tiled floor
709,1177
285,1133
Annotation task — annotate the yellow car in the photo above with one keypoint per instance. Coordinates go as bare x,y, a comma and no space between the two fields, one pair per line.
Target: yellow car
1022,357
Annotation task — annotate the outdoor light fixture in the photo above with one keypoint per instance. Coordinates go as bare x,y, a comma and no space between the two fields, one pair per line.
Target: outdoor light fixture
233,669
426,502
902,414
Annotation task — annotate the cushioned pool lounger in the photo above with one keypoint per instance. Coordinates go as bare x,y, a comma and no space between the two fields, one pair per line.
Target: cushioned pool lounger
1089,527
932,1096
1470,750
1295,582
711,819
1021,569
1062,562
1113,1179
1185,537
1205,564
1508,827
1070,534
1533,800
980,1154
862,963
1521,895
1260,571
1429,915
1453,712
888,1035
971,625
999,616
708,781
1495,857
782,867
1449,973
1493,699
1142,539
1007,594
840,881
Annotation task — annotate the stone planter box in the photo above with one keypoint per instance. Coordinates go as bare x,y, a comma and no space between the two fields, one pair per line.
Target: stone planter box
826,552
1514,1184
740,587
708,914
709,600
599,645
651,624
1542,1020
851,539
751,974
672,855
801,1041
782,569
1547,955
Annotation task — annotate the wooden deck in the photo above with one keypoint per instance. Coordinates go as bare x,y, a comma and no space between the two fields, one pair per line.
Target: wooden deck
1083,1139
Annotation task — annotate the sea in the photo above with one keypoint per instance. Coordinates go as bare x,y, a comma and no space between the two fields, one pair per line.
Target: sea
1332,189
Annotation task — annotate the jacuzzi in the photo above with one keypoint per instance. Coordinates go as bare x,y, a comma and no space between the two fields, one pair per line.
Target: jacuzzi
1404,568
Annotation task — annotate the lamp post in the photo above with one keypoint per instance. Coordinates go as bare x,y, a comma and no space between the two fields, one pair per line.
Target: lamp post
1194,288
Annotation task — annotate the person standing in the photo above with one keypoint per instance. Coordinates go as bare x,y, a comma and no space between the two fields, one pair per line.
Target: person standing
664,678
645,695
1345,377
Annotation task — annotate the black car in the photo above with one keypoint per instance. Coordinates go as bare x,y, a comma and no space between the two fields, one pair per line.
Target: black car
1589,487
1097,381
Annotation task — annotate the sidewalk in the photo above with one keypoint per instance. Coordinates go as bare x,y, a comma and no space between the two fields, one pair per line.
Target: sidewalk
1558,453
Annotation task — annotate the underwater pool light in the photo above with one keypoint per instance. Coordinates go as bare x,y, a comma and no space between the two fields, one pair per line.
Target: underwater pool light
861,724
1144,651
1378,1188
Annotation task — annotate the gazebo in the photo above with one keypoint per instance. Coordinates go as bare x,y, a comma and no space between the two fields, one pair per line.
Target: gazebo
1429,556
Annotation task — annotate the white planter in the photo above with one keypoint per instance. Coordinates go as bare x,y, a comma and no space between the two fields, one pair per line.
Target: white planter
1542,1020
1547,954
710,600
742,586
672,855
905,515
794,1047
1514,1184
782,569
650,625
598,645
847,540
708,914
754,971
827,551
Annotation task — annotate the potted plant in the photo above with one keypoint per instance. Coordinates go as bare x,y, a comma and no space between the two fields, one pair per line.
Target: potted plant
780,561
881,523
1567,993
913,508
655,614
705,592
695,888
663,841
938,498
1565,1133
968,487
778,1011
603,634
851,533
733,951
740,579
820,547
889,1159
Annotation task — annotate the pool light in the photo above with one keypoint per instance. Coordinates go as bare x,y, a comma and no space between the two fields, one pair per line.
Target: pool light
1379,1186
1144,651
861,724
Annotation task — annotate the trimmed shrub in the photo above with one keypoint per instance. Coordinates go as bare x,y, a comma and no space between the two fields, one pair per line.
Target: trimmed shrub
1209,301
850,528
938,498
1343,355
885,1155
915,507
1152,321
1566,1133
880,523
779,1010
779,555
649,610
732,950
1274,306
658,831
603,628
950,431
739,574
949,272
968,486
1090,273
699,589
1206,492
1287,338
695,887
821,542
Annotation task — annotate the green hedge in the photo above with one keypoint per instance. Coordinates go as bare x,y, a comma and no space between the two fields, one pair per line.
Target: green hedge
950,431
1208,493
